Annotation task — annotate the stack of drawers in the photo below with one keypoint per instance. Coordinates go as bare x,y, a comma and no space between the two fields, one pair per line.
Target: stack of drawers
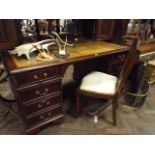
39,97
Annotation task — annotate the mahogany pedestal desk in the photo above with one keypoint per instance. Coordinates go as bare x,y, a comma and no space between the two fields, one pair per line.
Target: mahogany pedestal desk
38,85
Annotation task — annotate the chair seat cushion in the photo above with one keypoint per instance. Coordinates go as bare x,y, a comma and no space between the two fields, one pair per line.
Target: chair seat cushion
99,83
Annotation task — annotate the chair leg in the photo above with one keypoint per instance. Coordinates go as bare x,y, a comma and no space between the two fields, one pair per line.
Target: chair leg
77,106
116,105
114,111
114,114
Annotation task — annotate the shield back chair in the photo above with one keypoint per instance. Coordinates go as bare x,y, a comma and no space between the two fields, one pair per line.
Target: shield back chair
104,86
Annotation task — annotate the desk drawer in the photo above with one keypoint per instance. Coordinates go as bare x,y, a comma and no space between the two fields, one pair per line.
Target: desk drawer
115,69
44,116
34,76
34,107
39,91
118,58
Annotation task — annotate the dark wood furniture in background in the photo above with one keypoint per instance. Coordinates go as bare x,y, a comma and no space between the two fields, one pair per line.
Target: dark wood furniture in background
11,31
14,32
104,29
9,37
144,30
38,87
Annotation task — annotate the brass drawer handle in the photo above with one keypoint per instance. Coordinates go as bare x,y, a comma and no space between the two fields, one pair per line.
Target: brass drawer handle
46,90
49,114
45,75
121,57
43,101
48,102
35,77
39,106
37,92
41,117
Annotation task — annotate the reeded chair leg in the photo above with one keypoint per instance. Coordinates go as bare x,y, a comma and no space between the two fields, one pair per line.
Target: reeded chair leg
114,110
77,106
114,115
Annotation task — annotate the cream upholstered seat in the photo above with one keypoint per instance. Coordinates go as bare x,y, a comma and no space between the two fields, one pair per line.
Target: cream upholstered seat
99,83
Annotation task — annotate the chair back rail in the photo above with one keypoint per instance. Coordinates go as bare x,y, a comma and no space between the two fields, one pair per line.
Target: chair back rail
127,67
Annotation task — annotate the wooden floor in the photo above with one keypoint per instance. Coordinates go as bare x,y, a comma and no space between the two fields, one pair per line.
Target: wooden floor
130,121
